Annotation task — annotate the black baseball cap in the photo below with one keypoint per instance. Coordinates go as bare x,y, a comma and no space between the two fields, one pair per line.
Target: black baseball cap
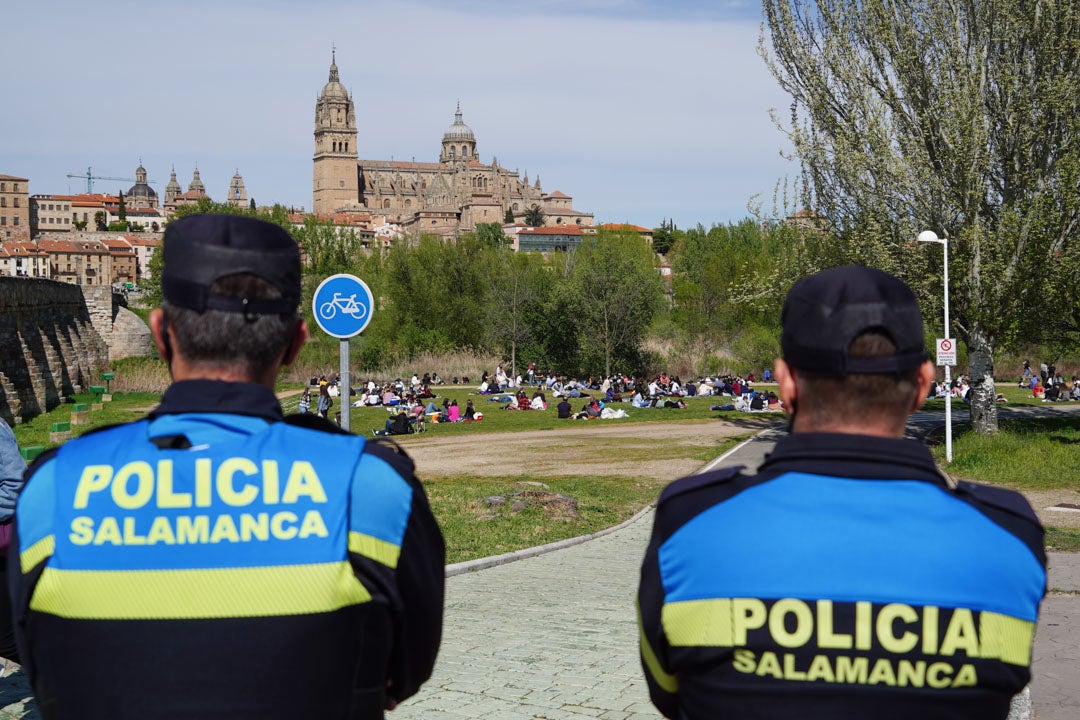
200,249
825,312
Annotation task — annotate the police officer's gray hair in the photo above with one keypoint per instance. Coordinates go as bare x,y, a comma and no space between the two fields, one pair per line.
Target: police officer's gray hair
230,339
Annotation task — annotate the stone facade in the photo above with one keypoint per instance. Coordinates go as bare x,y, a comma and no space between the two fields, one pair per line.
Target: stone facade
237,196
446,197
51,348
58,339
14,208
50,213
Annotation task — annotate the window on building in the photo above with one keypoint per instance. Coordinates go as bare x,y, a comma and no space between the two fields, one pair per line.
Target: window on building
15,220
386,204
16,202
3,202
464,151
453,151
3,219
408,203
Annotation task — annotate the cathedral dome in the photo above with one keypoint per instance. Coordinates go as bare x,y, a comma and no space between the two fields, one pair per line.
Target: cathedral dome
141,189
459,130
333,88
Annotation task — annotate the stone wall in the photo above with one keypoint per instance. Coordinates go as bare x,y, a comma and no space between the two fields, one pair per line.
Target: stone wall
123,331
49,347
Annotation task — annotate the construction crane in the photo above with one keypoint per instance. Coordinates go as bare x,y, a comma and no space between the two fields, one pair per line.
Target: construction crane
90,178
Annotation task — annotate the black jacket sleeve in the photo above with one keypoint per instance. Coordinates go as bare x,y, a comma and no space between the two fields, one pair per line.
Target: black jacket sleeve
419,586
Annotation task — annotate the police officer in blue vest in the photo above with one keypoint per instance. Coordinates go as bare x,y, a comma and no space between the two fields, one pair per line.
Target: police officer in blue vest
217,559
849,577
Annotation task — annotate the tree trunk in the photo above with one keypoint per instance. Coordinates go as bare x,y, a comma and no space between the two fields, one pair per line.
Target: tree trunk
984,416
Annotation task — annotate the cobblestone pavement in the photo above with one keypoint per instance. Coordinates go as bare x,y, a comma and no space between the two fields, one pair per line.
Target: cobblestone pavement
551,637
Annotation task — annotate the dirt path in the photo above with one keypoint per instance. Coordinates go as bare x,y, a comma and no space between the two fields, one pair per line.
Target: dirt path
573,450
623,449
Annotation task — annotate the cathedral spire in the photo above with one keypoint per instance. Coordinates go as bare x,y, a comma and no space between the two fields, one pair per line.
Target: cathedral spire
333,65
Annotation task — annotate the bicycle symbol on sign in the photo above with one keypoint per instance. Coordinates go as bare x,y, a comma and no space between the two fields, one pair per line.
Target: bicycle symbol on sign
347,305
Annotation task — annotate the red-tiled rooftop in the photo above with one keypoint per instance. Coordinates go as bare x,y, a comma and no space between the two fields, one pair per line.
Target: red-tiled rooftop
625,226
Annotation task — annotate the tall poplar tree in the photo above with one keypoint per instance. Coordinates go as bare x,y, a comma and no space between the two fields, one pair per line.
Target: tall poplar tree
958,116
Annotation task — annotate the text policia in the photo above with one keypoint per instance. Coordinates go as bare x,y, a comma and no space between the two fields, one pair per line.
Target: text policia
236,482
861,642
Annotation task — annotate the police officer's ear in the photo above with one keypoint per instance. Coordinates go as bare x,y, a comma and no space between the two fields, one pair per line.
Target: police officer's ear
925,379
785,384
299,336
159,330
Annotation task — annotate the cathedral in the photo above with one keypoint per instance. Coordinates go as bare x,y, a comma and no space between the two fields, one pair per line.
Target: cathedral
445,197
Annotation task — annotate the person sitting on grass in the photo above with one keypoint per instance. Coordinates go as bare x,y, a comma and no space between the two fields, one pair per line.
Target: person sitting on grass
470,411
397,425
564,409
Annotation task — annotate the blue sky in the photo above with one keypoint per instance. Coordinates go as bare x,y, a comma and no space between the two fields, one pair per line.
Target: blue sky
640,109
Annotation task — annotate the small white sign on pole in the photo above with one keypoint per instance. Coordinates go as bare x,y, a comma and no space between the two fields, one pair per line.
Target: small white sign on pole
946,352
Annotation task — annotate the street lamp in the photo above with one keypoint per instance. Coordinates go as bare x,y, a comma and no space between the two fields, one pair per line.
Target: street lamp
931,237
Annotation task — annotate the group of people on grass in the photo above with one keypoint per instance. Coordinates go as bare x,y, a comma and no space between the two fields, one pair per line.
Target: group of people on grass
1048,384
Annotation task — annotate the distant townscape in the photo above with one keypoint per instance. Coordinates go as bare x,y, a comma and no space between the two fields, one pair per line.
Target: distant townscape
96,238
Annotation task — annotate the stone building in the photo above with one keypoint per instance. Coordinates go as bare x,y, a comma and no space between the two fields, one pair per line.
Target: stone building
22,258
141,196
14,208
237,194
196,191
124,261
50,213
80,260
445,197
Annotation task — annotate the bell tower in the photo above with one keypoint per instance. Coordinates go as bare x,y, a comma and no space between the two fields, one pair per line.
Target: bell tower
336,183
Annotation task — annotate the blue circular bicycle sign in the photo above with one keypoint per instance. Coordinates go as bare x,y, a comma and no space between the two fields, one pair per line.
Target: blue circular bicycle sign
342,305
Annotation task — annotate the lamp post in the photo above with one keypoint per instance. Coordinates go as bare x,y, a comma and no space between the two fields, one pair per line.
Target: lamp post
931,237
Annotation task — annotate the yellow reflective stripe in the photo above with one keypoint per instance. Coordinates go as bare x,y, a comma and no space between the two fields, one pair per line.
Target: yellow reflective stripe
378,550
189,594
666,681
702,623
1006,638
31,556
712,623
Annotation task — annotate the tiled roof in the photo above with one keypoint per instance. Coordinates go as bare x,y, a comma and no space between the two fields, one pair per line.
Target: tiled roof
559,194
12,177
625,226
85,247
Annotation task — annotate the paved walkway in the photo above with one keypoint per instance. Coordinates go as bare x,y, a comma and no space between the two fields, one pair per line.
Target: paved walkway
551,637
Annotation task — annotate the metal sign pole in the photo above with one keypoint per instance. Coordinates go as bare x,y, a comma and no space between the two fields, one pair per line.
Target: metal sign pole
342,306
343,384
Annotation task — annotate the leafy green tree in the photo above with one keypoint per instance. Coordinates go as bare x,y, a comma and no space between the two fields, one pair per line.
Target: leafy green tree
437,294
617,290
491,234
251,205
534,216
328,249
508,218
664,237
78,224
961,118
99,221
520,288
122,210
